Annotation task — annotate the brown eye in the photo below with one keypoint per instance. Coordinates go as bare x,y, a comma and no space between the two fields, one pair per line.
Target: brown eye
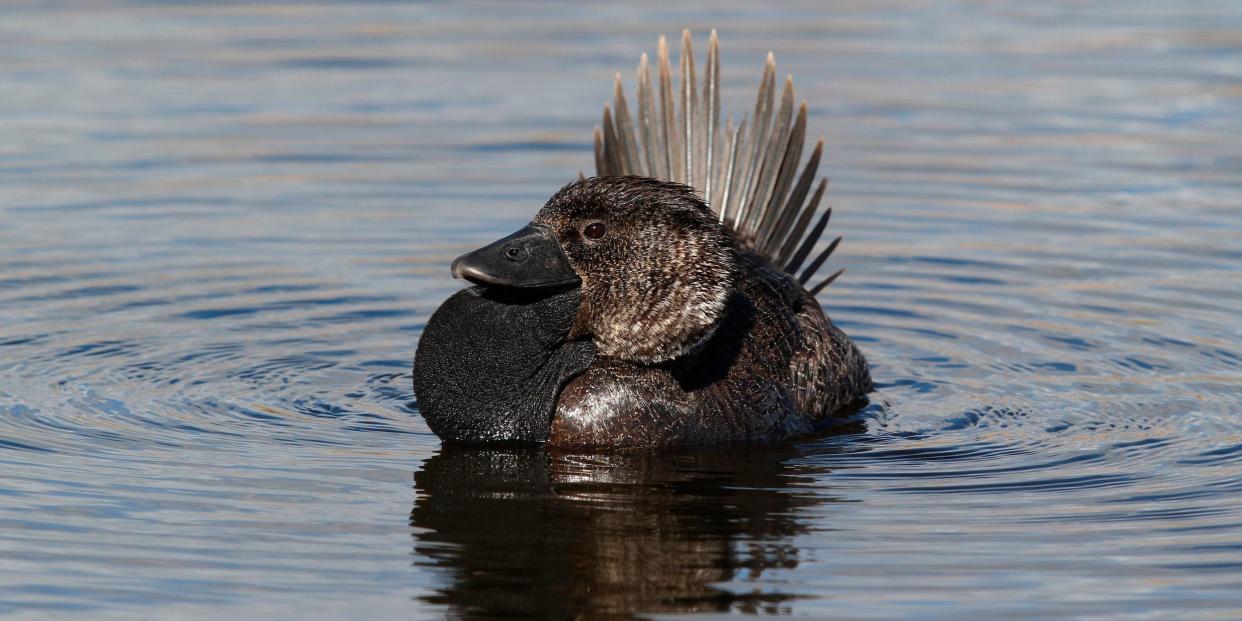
595,230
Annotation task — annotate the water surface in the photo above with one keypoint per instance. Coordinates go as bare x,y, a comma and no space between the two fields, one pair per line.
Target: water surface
222,228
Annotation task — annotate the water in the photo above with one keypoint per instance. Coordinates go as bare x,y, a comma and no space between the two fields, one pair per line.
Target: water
222,229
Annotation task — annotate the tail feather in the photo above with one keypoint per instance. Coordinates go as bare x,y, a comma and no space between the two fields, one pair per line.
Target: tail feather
601,164
779,232
649,123
808,243
729,176
667,116
773,211
628,143
711,94
819,261
689,114
747,173
827,281
612,146
794,236
756,142
771,167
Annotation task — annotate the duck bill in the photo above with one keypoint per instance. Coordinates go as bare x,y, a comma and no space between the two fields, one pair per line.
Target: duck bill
531,258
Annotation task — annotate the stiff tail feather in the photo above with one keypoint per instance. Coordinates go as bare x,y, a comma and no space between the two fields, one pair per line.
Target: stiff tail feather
747,173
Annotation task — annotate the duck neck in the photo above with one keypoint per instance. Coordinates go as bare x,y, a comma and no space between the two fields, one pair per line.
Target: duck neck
664,320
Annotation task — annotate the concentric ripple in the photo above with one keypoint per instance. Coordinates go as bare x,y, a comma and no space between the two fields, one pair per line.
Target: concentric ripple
223,226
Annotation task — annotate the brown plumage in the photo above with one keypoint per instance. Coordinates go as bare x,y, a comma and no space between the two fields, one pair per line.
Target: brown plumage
699,342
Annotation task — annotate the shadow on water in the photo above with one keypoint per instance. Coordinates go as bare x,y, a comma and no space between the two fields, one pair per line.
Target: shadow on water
529,533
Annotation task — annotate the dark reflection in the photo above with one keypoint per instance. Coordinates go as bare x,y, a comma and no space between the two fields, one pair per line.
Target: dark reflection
525,533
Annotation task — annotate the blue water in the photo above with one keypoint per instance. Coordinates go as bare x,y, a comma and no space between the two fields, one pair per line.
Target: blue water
223,226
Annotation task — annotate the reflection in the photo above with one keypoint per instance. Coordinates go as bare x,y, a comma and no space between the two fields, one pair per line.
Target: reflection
528,533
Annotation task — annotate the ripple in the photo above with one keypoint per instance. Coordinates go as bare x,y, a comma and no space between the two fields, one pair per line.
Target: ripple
210,294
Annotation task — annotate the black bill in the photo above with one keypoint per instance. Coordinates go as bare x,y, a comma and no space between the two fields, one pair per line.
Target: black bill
530,258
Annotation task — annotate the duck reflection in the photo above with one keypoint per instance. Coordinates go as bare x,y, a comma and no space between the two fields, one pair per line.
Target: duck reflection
528,533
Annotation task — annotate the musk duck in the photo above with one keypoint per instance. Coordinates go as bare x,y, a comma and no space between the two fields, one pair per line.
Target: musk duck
661,303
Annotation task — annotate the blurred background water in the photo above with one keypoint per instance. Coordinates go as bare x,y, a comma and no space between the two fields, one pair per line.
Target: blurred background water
222,227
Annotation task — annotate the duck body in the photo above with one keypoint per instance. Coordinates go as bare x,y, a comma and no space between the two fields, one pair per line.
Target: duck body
775,367
657,330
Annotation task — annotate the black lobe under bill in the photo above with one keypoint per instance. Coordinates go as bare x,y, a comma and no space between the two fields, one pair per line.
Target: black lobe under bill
492,361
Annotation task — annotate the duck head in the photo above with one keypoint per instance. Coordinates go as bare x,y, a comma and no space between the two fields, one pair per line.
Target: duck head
653,263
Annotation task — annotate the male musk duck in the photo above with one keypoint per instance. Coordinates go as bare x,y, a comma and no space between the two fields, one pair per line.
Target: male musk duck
661,303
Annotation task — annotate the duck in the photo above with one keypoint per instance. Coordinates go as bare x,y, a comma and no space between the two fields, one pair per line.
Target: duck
663,302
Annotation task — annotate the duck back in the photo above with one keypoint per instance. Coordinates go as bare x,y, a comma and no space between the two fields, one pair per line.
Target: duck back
776,367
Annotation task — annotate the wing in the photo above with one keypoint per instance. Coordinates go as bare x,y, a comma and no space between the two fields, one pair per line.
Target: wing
749,176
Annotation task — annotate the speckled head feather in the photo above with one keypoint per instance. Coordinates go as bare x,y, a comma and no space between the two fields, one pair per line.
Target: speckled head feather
656,265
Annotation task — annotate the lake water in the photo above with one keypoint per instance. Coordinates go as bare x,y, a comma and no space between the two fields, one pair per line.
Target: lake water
222,228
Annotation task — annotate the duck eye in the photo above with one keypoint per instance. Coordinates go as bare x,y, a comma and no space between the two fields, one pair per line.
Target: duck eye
595,230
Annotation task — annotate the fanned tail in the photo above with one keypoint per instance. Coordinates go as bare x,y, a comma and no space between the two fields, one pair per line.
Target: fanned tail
747,176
